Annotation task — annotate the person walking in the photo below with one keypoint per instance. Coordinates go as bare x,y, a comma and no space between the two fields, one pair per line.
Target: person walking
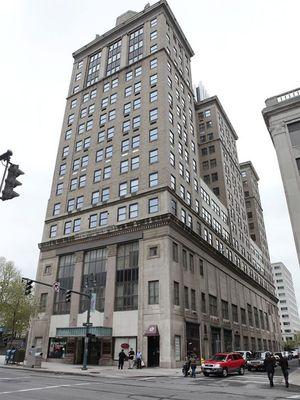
139,359
269,364
122,358
284,365
131,354
193,364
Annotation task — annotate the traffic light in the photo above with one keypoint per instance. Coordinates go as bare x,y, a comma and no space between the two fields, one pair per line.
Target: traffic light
68,296
28,287
11,182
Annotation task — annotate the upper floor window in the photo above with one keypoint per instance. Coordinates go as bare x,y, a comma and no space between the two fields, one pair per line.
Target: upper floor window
135,52
114,56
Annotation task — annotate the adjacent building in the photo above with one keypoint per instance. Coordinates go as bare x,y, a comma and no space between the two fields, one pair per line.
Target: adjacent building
282,117
288,309
133,215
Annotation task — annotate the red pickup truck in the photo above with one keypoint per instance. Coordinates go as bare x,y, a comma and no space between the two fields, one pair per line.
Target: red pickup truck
224,364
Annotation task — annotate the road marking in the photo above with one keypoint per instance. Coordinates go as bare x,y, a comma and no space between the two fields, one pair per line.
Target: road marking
18,377
45,387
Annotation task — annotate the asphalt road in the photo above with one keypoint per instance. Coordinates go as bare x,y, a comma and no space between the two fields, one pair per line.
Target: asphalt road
30,385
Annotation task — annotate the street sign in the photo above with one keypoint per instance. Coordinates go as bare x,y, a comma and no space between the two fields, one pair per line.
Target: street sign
87,324
56,286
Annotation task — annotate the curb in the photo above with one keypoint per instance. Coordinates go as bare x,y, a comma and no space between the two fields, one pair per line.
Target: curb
94,374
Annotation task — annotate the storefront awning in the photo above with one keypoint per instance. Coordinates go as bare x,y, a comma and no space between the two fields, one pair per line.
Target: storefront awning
99,331
152,331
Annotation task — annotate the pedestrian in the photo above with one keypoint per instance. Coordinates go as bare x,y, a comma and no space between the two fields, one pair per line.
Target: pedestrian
186,366
131,354
269,364
122,358
193,364
139,359
284,365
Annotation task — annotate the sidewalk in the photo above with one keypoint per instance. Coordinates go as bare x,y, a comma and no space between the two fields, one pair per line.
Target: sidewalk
94,370
294,377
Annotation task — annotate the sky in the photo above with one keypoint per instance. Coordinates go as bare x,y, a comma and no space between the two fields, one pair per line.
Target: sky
245,52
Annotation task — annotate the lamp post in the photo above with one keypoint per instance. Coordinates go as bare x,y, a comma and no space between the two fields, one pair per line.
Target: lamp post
88,293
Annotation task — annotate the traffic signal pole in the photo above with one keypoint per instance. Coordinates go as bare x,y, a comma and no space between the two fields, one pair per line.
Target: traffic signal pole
87,324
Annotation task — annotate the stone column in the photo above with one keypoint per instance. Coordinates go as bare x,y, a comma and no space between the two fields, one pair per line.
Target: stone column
110,285
103,64
75,299
124,52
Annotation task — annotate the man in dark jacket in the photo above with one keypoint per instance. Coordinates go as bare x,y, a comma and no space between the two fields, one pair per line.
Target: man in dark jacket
269,364
283,363
122,358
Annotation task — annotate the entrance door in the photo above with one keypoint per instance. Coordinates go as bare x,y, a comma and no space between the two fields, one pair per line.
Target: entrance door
215,340
153,351
94,350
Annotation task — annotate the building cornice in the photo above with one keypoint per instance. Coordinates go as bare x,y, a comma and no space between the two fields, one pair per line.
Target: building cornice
126,25
97,236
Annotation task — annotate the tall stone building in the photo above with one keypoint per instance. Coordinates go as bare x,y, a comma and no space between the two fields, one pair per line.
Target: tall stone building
287,305
282,117
254,210
130,215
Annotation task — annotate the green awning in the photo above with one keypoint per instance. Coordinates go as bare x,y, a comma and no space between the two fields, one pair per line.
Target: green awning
99,331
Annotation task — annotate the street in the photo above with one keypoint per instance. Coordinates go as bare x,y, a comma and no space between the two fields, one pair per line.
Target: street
23,384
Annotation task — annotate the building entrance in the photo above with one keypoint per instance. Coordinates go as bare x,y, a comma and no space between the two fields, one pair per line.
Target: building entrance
94,351
215,340
153,351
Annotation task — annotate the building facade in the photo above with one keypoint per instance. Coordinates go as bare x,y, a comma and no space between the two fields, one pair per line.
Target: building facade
282,117
130,215
288,309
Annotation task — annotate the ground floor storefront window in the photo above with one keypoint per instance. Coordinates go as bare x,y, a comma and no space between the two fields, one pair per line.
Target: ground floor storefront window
61,347
125,343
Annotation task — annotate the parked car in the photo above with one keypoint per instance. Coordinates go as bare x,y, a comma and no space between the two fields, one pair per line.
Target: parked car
224,364
246,354
257,362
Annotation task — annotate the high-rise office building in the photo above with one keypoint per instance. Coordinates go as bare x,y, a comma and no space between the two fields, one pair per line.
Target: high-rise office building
130,216
282,117
254,210
287,305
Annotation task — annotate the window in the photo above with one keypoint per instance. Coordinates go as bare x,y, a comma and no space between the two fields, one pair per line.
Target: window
122,213
89,125
73,184
103,218
112,115
173,182
73,103
105,194
243,316
153,22
137,87
99,155
134,185
108,152
127,277
124,166
76,225
193,300
113,98
71,119
127,109
153,96
153,63
62,169
235,316
68,227
153,205
123,189
56,209
126,126
68,134
136,122
53,231
153,49
113,58
203,303
153,156
153,80
84,161
153,115
103,119
225,310
136,104
43,302
175,251
186,298
107,172
79,202
172,159
93,94
114,83
93,221
153,134
97,176
135,163
133,210
153,179
125,145
95,197
135,142
213,305
153,292
176,293
135,52
128,91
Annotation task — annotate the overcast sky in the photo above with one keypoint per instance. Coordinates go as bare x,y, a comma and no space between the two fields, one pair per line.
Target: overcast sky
246,51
